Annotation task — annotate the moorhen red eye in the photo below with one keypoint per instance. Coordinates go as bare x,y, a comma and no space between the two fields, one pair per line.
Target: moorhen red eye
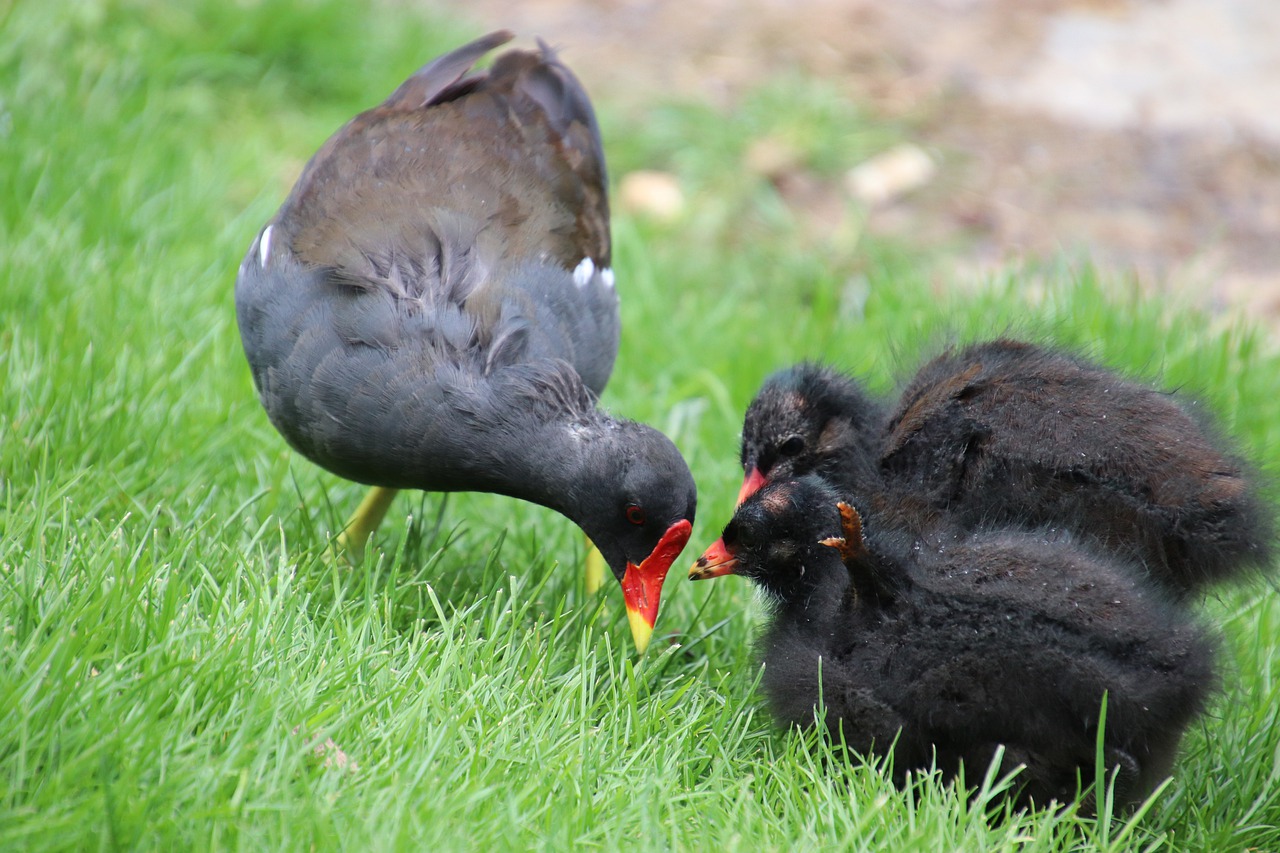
940,649
433,308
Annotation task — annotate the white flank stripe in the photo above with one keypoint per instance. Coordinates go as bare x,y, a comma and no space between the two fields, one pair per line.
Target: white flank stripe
264,247
583,271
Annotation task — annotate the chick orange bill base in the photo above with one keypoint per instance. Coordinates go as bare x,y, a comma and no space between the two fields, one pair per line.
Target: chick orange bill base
714,562
642,584
751,484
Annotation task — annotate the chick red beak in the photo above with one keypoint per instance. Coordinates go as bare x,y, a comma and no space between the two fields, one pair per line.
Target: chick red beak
642,584
715,561
750,485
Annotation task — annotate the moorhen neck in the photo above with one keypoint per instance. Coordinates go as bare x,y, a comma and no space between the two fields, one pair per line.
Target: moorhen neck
943,650
433,308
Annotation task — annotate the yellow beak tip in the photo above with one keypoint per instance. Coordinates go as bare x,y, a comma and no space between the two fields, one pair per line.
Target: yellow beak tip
641,631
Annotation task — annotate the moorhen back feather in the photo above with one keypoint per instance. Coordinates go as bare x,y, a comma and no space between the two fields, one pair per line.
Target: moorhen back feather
433,308
941,650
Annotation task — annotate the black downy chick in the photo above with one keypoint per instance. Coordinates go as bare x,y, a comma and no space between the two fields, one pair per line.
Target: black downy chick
810,418
1009,432
1005,433
958,643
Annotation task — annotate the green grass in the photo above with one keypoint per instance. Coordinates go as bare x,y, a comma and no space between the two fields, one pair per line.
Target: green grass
180,666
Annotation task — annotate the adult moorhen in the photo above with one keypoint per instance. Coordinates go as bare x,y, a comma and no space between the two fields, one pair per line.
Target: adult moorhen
942,649
433,308
1007,432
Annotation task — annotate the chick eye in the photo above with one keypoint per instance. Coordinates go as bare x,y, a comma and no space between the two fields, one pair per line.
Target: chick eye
634,514
792,446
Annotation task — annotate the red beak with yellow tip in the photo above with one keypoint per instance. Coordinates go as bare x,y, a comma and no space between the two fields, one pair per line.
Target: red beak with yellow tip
642,584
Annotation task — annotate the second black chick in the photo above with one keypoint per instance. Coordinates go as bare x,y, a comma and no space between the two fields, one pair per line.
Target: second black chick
1011,433
959,643
810,418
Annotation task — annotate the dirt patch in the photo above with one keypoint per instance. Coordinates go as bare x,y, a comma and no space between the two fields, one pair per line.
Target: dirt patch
1143,134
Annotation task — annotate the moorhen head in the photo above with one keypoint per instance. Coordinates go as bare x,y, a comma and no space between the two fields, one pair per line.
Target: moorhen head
810,418
941,650
776,539
433,307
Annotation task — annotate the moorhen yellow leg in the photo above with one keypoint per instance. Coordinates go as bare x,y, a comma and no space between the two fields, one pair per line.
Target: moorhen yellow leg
594,568
364,521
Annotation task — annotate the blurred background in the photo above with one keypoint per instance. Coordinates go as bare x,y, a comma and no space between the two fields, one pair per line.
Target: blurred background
1141,134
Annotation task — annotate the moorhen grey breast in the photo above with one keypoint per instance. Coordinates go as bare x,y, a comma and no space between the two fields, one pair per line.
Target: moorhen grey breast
433,308
944,648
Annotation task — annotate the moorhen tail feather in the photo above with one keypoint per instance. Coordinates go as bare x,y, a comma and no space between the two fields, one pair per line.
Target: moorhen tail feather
976,640
433,307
